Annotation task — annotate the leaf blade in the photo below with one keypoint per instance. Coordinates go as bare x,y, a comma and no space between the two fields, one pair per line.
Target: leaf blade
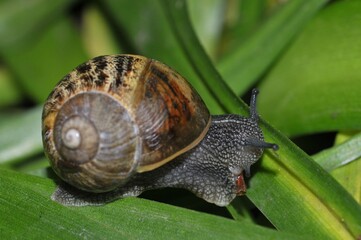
260,50
318,84
20,135
30,211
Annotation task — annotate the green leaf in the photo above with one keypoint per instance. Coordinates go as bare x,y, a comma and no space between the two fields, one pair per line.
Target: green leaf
340,155
316,86
40,58
350,178
206,19
253,57
344,162
243,19
20,135
289,184
299,198
25,201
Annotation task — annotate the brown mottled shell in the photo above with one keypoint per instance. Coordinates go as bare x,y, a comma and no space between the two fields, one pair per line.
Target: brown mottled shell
133,114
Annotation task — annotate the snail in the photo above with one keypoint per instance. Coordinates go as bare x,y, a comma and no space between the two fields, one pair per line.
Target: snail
119,125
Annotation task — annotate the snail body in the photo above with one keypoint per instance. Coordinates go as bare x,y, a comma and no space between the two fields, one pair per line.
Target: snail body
119,125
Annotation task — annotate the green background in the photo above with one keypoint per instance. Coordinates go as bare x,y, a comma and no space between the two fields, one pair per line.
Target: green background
303,56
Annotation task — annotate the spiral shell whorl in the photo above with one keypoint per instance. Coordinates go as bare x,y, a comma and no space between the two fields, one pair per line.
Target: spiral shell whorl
105,152
76,139
100,169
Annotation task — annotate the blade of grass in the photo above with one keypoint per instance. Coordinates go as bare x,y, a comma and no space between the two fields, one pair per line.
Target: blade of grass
341,216
340,155
293,192
20,135
349,176
206,19
25,201
348,162
247,63
243,18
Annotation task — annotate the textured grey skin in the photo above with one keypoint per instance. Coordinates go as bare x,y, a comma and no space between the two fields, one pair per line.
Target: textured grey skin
210,170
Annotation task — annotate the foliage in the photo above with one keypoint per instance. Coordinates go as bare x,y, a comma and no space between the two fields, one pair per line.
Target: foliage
304,56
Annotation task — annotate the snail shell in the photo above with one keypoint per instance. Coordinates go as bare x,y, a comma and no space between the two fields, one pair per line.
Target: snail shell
117,115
